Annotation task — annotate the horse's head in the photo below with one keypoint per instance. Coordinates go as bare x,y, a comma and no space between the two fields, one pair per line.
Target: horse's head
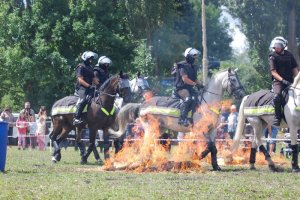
117,84
124,87
233,85
139,84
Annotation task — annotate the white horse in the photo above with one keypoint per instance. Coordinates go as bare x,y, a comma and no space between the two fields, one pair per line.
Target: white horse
138,86
261,120
223,81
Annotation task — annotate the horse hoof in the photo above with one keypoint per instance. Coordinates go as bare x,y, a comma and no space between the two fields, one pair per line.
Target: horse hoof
58,157
217,168
83,161
100,162
272,168
53,160
295,169
252,167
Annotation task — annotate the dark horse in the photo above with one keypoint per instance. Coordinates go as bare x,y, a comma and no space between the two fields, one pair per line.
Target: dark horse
100,115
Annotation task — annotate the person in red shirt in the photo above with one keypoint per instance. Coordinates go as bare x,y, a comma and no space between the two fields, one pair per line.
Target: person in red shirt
22,125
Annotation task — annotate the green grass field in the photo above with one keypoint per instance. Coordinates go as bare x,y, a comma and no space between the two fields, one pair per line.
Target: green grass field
31,175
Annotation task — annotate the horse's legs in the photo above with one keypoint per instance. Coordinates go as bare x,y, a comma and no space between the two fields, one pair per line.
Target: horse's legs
295,149
56,156
211,147
80,144
84,158
106,143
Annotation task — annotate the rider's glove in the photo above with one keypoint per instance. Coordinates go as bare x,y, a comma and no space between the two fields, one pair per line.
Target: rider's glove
285,82
199,86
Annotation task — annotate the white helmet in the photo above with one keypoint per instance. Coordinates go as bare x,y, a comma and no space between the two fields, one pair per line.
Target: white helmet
89,54
104,60
278,40
191,52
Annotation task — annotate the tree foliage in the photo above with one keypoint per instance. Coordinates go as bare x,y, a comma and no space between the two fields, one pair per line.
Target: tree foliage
41,41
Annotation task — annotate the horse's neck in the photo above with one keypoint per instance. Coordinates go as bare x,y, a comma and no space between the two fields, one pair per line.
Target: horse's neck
214,91
107,98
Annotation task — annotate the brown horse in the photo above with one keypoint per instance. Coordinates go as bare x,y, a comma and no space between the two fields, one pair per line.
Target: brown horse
100,114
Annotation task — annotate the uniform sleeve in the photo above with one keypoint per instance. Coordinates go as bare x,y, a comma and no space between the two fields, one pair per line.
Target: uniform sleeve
294,63
182,71
272,62
80,71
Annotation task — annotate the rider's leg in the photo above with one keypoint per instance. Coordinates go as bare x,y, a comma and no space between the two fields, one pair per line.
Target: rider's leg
277,88
80,106
185,106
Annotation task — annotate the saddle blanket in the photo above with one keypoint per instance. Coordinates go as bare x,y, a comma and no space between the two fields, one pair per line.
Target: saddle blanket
167,106
66,105
259,103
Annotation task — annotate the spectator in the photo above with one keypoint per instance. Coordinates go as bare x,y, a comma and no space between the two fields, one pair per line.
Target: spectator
232,121
30,117
41,127
222,129
22,125
8,117
271,133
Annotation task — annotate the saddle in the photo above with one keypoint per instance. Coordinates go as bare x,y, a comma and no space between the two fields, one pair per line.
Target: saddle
167,106
261,103
66,105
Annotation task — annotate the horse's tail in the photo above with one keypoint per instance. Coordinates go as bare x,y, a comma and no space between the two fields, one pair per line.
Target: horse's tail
240,126
127,114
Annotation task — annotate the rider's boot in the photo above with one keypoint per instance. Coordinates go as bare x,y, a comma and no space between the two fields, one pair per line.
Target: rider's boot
184,109
277,107
295,153
77,117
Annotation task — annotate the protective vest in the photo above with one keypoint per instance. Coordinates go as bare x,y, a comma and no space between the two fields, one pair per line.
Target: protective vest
189,70
283,64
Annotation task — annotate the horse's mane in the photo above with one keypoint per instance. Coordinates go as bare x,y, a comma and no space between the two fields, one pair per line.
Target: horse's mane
296,80
106,83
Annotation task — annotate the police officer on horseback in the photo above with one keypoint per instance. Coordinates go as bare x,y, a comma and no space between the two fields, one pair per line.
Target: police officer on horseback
101,69
84,86
186,79
283,68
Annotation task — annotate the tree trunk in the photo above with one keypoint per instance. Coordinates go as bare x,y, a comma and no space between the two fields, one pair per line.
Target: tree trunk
204,59
292,29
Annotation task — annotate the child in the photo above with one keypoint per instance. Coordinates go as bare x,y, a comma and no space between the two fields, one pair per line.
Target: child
41,127
22,125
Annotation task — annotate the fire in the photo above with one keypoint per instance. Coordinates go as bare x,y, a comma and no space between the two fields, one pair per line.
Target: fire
146,153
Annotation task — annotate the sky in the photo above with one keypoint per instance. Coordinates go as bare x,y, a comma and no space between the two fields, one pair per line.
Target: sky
239,43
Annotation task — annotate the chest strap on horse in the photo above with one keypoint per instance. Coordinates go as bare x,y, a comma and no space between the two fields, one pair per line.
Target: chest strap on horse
109,113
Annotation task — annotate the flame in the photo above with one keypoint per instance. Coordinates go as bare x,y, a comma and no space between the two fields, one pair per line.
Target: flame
146,154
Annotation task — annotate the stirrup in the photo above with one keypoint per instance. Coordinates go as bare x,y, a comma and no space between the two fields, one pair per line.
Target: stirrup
77,121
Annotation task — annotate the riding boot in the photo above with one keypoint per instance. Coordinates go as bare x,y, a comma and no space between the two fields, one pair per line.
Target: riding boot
252,158
184,109
295,153
214,161
277,107
77,116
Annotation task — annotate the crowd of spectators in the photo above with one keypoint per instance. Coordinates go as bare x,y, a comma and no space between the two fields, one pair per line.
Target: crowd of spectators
31,130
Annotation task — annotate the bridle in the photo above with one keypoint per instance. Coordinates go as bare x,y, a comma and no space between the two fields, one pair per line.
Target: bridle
230,87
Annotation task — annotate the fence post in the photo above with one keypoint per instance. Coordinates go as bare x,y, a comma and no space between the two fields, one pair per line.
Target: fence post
3,144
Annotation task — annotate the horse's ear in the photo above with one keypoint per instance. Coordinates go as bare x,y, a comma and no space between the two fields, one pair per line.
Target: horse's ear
229,70
121,74
139,74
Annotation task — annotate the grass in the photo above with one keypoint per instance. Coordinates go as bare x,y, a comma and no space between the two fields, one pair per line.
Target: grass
31,175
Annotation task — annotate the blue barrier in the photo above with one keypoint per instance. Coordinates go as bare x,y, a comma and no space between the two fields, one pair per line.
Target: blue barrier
3,144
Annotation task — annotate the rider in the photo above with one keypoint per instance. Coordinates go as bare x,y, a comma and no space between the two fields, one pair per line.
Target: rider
186,79
101,69
283,68
84,85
